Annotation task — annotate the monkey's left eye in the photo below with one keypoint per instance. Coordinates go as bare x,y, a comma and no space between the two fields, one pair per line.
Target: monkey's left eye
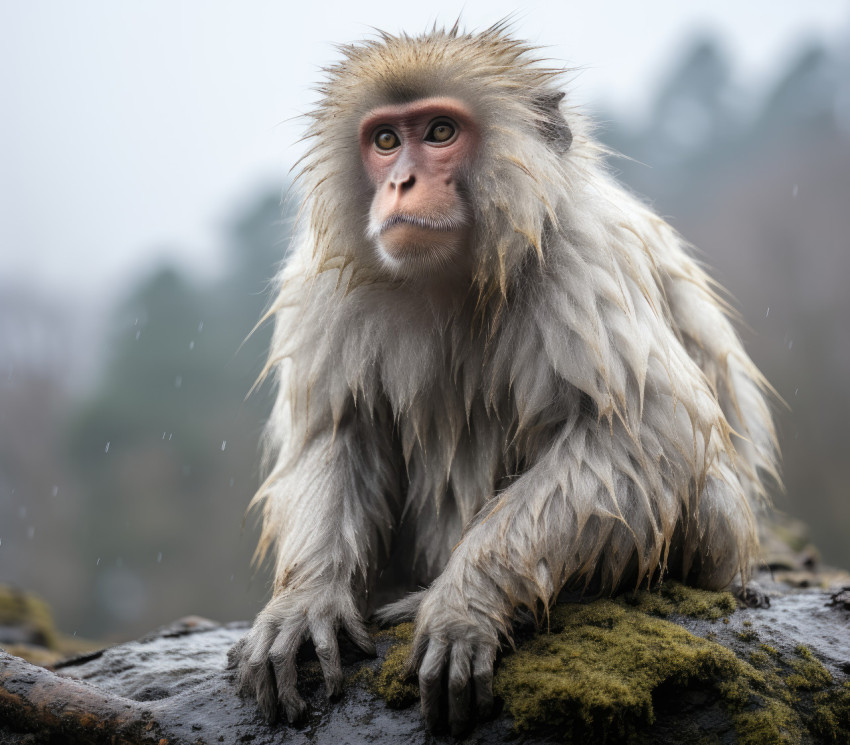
386,139
441,131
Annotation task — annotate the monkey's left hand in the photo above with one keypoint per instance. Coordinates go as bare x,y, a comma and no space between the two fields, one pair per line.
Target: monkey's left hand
455,643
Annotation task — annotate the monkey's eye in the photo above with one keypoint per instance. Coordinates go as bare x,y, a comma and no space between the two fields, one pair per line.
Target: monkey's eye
386,139
441,131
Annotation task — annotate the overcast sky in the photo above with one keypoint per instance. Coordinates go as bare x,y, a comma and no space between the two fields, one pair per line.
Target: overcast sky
132,130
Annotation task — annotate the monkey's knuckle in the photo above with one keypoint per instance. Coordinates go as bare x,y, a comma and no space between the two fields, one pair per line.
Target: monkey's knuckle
325,650
256,663
282,652
430,678
458,683
483,677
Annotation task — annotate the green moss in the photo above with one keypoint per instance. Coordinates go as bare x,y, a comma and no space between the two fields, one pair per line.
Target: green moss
809,674
775,722
603,667
759,658
674,598
596,675
18,608
831,718
391,681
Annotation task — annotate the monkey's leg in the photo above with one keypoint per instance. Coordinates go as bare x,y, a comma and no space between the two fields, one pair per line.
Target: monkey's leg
576,512
705,548
331,510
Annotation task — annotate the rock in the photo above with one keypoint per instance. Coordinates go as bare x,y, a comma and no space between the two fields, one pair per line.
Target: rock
669,666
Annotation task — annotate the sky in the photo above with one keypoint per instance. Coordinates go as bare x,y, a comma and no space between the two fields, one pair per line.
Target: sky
132,131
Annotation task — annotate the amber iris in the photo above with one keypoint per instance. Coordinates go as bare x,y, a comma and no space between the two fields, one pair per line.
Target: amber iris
441,131
386,139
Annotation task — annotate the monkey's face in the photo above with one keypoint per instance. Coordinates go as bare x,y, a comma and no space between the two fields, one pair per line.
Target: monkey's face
416,155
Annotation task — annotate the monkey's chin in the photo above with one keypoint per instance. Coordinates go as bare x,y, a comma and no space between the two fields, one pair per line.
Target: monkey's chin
415,250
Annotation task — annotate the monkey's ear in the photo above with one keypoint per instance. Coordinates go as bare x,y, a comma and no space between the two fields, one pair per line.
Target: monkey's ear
552,125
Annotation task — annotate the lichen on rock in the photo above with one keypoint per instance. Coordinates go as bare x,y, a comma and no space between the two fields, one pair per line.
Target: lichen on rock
596,673
390,681
601,669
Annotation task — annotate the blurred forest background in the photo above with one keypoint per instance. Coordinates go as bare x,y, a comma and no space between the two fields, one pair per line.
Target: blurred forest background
128,451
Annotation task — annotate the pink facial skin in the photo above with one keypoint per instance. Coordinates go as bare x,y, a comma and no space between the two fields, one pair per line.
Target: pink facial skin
418,214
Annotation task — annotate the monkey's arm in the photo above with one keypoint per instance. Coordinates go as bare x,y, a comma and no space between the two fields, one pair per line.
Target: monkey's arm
329,507
576,512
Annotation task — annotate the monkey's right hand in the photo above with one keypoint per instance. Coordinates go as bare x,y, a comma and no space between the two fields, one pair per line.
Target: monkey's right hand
264,658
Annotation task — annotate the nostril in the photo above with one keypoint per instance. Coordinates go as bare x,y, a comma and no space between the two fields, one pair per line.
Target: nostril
404,183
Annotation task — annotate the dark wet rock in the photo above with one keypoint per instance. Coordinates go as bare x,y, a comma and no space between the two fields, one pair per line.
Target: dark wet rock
172,686
841,597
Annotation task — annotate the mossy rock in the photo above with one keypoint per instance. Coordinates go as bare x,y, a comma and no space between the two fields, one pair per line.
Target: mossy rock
597,671
24,610
390,681
603,669
32,633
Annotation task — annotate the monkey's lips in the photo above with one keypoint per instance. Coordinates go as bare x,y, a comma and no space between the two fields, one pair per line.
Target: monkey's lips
404,233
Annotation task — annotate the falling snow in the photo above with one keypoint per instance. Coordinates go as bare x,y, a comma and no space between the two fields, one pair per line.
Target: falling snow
106,449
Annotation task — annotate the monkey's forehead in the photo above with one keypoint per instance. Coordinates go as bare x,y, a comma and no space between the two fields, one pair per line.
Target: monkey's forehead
477,67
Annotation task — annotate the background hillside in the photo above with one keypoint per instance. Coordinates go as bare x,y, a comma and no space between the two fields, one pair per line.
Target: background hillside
128,451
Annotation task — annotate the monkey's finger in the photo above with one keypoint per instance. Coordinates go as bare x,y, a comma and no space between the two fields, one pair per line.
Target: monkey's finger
234,654
255,675
430,679
282,659
459,685
327,650
482,674
357,633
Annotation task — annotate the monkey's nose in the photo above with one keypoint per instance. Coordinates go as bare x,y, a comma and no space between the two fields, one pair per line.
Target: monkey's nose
403,183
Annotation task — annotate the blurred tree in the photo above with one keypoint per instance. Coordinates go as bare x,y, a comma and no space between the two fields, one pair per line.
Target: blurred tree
763,195
148,529
167,445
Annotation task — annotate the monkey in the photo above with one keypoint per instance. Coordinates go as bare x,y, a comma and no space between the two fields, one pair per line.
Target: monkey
499,375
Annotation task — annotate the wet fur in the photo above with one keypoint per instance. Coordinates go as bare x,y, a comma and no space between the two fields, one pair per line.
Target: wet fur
583,415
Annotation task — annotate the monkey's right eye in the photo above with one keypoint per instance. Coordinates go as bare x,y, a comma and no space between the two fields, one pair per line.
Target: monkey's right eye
386,139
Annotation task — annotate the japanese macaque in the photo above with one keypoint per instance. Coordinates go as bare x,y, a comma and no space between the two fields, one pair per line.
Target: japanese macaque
499,376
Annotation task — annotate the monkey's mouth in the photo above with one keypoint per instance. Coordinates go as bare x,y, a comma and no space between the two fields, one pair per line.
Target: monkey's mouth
433,239
436,224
